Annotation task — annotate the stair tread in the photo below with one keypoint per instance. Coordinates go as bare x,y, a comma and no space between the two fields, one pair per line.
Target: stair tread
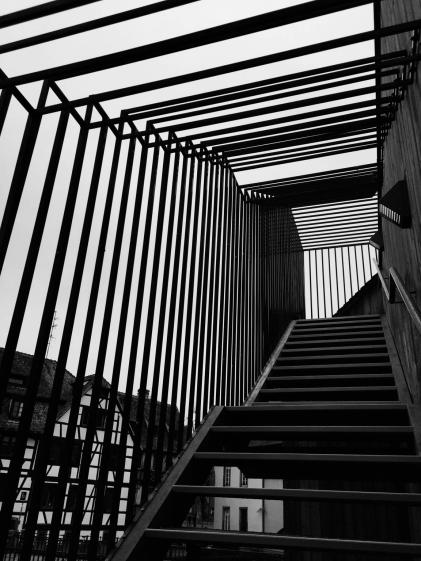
287,351
411,460
352,406
352,332
324,328
331,377
348,325
307,494
249,429
328,389
338,365
320,356
331,341
276,540
341,318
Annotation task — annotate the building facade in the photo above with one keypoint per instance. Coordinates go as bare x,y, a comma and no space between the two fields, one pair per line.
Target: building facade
247,515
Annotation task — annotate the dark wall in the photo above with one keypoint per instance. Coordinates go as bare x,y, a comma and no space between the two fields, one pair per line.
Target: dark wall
367,301
402,159
282,274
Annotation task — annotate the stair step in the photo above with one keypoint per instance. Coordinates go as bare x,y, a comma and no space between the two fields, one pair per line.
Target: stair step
329,388
375,407
357,367
333,324
252,539
342,392
323,380
342,343
367,317
368,328
280,465
312,430
303,351
338,358
333,334
299,494
317,413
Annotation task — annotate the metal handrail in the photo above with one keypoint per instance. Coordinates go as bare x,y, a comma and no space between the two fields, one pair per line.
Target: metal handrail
396,282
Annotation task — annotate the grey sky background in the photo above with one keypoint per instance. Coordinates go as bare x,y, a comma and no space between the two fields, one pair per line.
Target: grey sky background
202,14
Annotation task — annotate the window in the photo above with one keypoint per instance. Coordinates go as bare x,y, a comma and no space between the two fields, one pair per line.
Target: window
48,496
72,497
243,522
7,445
226,518
243,480
227,477
108,500
15,408
56,452
100,417
14,381
113,457
23,496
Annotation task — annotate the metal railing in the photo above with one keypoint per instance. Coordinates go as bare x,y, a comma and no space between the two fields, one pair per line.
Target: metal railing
396,284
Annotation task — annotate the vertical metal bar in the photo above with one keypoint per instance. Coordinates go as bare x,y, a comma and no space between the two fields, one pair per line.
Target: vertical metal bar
197,373
205,349
323,284
240,315
5,98
223,365
342,249
44,331
350,271
317,283
104,465
166,283
162,197
23,161
215,351
233,311
63,475
42,456
356,268
310,282
330,281
192,323
187,294
32,255
364,262
203,374
178,288
336,277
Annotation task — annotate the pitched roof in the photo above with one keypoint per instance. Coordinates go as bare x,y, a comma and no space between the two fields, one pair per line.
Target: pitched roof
17,387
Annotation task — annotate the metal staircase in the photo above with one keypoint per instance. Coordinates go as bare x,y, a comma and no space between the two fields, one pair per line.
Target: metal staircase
328,417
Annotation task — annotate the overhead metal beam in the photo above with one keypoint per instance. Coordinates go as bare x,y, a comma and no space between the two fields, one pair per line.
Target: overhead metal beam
213,35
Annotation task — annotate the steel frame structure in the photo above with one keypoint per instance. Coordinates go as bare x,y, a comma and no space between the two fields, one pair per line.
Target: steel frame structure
213,310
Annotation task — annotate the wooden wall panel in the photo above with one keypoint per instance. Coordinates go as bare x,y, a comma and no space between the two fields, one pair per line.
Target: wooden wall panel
402,159
367,301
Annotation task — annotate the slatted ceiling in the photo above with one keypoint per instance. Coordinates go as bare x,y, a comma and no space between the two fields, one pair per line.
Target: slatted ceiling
350,222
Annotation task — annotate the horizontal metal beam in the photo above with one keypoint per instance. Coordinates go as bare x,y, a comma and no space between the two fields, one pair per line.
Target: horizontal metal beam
262,22
90,25
42,10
